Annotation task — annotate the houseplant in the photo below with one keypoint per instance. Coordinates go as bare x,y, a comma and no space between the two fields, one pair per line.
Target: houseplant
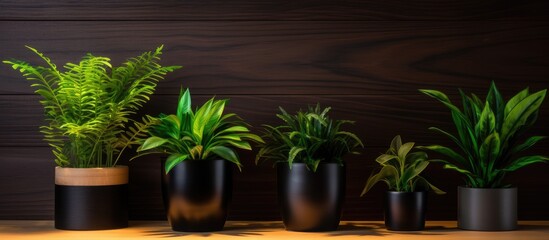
88,106
308,150
489,137
406,200
197,174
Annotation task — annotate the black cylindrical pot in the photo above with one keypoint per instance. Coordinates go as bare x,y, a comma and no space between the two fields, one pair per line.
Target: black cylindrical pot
311,201
197,194
487,209
405,211
91,198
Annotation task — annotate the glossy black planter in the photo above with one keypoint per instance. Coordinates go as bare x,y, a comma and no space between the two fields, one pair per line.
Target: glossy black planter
197,195
487,209
91,199
311,201
405,211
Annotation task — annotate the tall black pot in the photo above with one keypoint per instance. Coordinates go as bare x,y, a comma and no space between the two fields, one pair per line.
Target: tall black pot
405,211
311,201
91,198
197,194
487,209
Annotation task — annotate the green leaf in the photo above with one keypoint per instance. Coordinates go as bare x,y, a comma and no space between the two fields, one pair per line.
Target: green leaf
486,123
293,153
152,142
387,172
383,158
396,143
525,161
184,105
173,160
413,171
227,154
404,150
421,180
489,152
446,152
527,144
520,113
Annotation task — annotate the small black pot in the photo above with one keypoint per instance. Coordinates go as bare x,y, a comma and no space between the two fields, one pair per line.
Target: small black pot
405,211
91,198
487,209
197,194
311,201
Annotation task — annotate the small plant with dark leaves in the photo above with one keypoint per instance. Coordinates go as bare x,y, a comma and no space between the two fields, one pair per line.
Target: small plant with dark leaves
309,137
401,169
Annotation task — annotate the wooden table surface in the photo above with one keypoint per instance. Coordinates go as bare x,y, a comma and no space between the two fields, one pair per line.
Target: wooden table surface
43,230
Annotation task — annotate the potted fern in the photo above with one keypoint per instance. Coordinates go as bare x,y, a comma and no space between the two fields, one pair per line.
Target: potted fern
406,201
489,138
88,106
197,173
308,150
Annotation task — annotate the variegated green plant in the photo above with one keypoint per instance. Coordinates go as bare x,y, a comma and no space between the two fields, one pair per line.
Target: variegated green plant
204,134
488,135
88,105
309,137
401,169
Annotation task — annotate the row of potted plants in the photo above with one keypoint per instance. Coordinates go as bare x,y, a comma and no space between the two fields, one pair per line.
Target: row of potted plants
89,105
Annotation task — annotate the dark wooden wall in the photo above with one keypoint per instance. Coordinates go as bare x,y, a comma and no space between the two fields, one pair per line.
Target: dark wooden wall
365,58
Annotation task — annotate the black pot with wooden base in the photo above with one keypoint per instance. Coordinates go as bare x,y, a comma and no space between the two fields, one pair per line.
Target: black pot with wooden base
91,198
197,194
487,209
405,211
311,201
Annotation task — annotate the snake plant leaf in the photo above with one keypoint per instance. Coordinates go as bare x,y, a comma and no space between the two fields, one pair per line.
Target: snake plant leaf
531,141
525,161
516,100
486,123
521,112
446,152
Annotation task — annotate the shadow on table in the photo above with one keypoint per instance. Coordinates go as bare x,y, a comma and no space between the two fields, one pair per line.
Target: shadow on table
231,229
378,229
29,227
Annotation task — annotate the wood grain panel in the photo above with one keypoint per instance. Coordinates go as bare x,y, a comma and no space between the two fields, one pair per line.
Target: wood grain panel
306,58
378,117
26,188
371,10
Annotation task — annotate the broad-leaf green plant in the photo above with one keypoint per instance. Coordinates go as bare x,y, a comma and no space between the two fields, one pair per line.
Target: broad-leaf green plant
488,135
309,137
204,134
401,169
88,105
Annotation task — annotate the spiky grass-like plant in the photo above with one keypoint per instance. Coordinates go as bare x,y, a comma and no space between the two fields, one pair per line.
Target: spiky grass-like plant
488,134
309,137
88,105
204,134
